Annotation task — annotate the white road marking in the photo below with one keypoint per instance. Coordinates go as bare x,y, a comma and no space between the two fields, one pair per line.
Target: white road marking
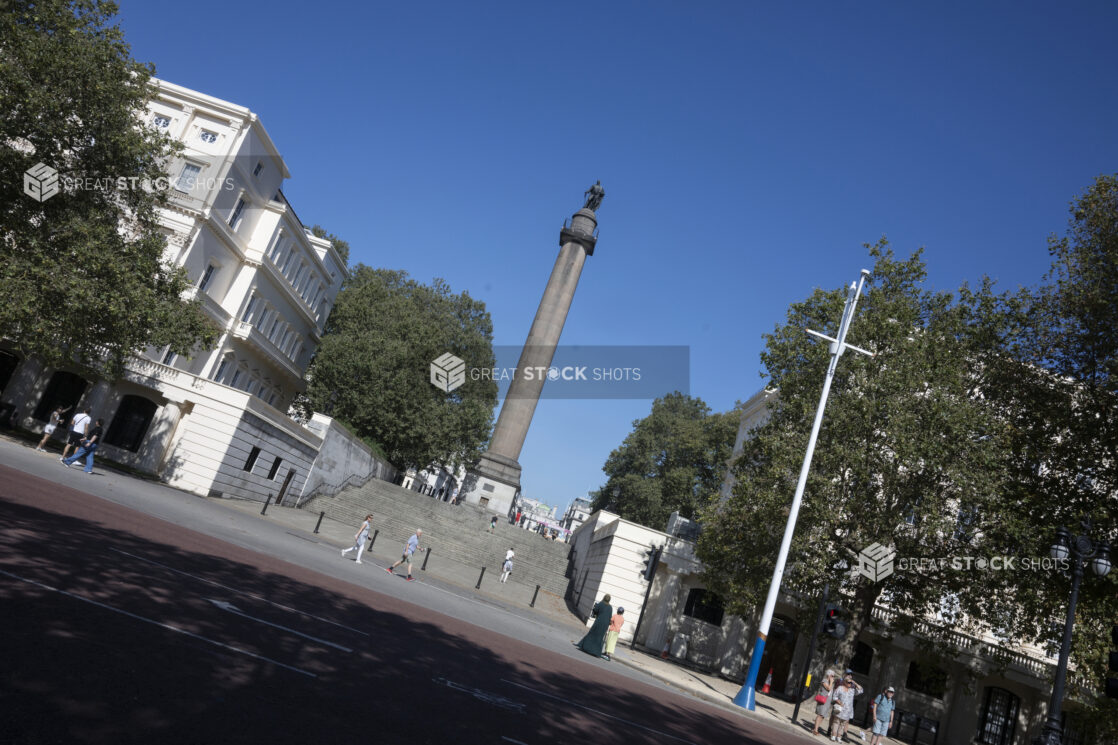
241,593
234,610
160,624
568,702
509,739
489,698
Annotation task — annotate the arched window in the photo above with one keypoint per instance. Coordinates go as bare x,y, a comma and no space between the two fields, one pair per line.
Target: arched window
999,717
863,658
64,389
131,422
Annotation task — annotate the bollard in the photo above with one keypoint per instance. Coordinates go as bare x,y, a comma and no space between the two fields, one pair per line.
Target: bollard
371,540
534,594
478,585
425,558
317,524
266,503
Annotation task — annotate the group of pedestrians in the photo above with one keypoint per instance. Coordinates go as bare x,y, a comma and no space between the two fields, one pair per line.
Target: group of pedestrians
834,701
85,436
601,639
410,547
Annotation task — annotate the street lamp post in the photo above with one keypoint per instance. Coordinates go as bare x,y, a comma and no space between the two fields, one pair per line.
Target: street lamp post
746,697
1079,550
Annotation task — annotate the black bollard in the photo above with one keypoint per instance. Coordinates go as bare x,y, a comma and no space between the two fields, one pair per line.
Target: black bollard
425,558
534,594
266,503
373,539
478,585
317,524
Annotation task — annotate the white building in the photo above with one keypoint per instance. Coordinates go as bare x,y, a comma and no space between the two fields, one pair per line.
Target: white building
577,513
215,423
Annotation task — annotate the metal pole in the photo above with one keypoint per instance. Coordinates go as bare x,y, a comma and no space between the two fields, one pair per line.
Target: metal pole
810,653
266,502
373,539
640,618
534,594
747,695
478,585
319,523
1052,734
425,558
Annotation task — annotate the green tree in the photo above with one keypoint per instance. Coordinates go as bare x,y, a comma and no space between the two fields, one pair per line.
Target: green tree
372,370
906,448
674,459
83,276
342,247
1058,383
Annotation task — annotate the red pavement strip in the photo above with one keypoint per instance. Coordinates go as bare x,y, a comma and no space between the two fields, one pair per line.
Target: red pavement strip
120,627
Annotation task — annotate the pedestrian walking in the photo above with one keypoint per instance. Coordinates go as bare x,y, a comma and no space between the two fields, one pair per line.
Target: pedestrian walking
615,625
79,427
493,524
882,709
52,425
595,640
360,538
843,706
410,548
823,699
506,569
88,446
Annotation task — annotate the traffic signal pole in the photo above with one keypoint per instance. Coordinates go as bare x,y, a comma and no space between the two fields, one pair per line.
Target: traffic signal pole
747,695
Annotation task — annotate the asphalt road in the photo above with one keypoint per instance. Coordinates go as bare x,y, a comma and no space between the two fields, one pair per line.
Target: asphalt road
121,625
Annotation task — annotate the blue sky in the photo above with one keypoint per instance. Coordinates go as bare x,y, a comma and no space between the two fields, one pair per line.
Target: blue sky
747,151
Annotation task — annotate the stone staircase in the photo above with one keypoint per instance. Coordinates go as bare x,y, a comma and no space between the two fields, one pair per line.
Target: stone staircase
458,533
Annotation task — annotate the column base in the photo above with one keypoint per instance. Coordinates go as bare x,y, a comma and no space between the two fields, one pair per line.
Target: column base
494,483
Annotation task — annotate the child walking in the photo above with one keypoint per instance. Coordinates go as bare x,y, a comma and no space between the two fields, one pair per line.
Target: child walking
360,538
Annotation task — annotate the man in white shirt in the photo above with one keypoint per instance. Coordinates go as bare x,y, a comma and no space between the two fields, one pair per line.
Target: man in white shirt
79,427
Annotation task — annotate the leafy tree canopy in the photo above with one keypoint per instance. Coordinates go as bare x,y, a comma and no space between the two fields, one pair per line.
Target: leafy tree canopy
82,272
909,453
673,460
372,370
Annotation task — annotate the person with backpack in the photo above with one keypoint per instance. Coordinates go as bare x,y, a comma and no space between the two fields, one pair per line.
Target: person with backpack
882,709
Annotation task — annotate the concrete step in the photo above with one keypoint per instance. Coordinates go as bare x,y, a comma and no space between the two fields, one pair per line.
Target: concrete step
459,533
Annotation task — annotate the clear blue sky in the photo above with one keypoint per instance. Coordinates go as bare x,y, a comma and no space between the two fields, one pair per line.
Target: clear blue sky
747,150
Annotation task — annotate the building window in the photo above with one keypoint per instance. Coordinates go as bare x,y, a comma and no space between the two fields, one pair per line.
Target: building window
277,249
249,308
188,177
863,658
252,456
236,379
259,167
299,275
130,423
64,389
206,277
235,218
287,261
221,370
263,319
271,399
169,357
208,136
161,121
275,467
928,679
999,717
704,606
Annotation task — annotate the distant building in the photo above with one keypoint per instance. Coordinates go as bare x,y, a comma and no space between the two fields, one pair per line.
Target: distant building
577,513
215,423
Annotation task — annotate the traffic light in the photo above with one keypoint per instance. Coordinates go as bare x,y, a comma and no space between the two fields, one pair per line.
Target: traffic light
833,625
651,561
1112,666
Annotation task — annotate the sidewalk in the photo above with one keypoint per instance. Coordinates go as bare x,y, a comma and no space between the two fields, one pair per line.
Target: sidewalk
711,688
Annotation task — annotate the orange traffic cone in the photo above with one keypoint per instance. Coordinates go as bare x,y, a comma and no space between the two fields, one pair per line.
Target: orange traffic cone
768,681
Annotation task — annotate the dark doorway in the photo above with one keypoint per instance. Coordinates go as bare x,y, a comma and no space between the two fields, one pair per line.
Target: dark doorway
778,654
8,364
131,422
64,389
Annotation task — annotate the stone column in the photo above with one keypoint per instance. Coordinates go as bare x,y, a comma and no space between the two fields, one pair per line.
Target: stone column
497,475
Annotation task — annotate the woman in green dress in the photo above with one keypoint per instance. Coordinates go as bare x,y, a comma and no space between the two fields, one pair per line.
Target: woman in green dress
595,640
